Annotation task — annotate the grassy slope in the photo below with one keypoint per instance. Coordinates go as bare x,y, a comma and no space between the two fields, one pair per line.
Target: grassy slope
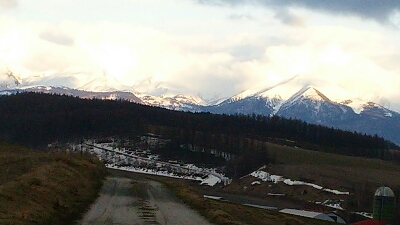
336,170
45,188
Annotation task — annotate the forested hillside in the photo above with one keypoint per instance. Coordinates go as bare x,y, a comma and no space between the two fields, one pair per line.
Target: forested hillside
35,119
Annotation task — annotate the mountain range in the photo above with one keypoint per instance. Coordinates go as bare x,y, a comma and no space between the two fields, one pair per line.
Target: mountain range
299,101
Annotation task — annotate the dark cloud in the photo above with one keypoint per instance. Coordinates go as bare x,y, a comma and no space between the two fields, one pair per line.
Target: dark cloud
57,38
370,9
8,3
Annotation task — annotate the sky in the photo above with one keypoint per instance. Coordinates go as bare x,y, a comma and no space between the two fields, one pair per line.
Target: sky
210,48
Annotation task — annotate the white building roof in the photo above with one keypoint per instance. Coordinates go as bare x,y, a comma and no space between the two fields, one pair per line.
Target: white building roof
309,214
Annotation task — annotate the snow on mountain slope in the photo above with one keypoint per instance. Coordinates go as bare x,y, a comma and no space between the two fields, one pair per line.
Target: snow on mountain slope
288,91
178,102
248,105
377,110
360,106
190,99
277,91
308,95
308,92
312,106
271,96
356,104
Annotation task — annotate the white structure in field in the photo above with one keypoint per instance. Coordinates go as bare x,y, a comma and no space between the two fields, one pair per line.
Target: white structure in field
315,215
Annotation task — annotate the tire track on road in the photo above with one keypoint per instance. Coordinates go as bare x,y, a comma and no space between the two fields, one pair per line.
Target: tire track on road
129,199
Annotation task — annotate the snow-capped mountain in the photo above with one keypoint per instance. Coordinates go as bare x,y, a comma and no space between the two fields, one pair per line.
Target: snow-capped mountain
311,105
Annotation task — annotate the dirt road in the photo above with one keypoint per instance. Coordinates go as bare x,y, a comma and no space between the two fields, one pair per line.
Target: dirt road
130,199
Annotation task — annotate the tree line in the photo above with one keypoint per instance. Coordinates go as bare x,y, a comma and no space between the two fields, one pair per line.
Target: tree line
37,119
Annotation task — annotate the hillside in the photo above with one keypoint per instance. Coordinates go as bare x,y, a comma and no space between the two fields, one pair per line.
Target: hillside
45,188
354,178
35,119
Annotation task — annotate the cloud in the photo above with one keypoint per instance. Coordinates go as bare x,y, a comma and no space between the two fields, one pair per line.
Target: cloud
369,9
57,37
288,18
8,3
241,17
212,50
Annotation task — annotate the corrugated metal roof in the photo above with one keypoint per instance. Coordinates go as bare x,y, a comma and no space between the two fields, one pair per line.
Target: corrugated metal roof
315,215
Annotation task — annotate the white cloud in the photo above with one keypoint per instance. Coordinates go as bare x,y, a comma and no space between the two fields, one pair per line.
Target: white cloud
211,54
8,3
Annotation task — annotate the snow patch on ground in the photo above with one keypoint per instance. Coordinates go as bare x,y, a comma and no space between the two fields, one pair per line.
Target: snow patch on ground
211,180
337,192
266,177
152,172
296,182
142,161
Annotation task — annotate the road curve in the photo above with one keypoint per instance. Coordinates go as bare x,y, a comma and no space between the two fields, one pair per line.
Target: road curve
129,199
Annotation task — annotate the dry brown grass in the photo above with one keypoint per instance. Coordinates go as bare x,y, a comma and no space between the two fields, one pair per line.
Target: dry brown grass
335,171
45,188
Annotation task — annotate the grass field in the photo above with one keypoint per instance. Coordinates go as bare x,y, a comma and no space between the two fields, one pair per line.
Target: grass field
330,169
45,188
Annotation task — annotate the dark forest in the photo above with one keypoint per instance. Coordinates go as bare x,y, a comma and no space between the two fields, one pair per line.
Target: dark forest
35,120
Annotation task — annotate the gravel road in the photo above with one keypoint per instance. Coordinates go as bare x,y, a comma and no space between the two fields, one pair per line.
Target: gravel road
129,199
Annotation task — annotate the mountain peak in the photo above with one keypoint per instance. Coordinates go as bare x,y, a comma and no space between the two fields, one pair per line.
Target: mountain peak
313,93
310,93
